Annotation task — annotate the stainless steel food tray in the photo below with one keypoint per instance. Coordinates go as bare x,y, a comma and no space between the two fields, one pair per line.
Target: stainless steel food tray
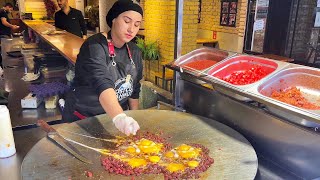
250,92
204,53
224,87
307,79
309,118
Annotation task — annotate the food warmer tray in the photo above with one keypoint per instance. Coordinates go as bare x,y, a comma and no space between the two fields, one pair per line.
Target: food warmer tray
204,53
307,79
250,92
307,118
240,63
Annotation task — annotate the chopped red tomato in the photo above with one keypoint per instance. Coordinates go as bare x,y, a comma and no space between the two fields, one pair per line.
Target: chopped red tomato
246,77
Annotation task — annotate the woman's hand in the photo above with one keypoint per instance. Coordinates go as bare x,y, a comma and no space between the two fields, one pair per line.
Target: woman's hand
126,124
110,104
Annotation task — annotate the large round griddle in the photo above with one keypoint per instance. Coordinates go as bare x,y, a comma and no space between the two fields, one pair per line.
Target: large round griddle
234,157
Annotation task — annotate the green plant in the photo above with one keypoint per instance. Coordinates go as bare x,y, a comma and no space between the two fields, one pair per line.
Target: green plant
150,50
92,12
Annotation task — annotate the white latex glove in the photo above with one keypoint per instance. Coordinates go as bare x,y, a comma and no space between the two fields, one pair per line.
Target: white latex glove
126,124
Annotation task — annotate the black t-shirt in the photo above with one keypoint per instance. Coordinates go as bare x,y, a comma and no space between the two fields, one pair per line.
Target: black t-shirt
73,22
95,73
4,30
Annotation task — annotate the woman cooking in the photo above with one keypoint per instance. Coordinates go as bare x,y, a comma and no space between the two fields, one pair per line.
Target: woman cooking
108,70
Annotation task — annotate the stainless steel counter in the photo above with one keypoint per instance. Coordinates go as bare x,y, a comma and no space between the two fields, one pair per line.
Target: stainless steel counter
291,148
13,72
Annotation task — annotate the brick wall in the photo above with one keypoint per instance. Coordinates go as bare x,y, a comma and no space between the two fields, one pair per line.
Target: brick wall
190,26
159,23
36,7
304,24
210,21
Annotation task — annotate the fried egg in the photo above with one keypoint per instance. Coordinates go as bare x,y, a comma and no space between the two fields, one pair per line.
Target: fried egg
142,152
154,159
149,147
137,162
193,164
187,152
173,167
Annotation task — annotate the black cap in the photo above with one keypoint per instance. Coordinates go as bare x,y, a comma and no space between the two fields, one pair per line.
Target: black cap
122,6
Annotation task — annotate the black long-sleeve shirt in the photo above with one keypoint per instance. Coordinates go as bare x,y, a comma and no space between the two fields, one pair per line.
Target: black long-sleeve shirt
94,74
72,22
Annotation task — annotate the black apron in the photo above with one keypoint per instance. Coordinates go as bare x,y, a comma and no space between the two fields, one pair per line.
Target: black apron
83,101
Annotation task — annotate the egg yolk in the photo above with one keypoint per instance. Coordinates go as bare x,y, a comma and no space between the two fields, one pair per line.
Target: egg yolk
154,159
189,154
148,147
131,150
186,151
172,167
137,162
193,164
145,142
184,147
169,154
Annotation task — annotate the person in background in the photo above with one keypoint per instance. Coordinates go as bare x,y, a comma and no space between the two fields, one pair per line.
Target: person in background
70,19
108,71
5,26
